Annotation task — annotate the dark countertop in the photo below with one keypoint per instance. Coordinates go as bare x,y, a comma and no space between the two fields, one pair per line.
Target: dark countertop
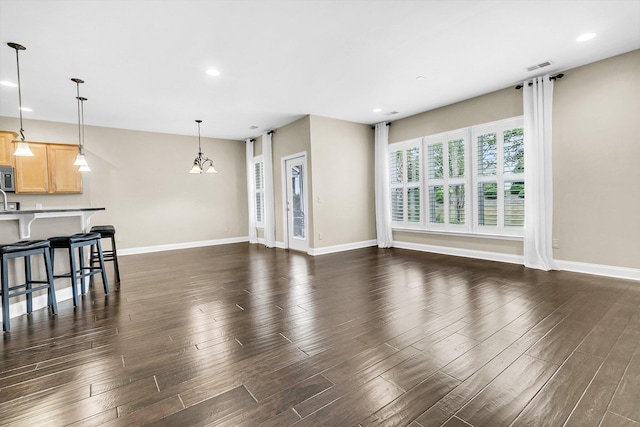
34,211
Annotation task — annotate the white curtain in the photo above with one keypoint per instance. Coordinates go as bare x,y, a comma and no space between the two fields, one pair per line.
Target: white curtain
382,187
269,203
538,202
251,192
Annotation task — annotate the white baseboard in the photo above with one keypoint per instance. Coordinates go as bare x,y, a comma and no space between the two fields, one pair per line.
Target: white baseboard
467,253
186,245
341,248
19,308
576,267
600,270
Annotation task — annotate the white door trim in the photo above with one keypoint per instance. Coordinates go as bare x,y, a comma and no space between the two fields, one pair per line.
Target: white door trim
283,174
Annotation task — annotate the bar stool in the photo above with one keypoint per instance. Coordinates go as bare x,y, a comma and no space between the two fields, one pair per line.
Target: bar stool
25,249
79,241
107,232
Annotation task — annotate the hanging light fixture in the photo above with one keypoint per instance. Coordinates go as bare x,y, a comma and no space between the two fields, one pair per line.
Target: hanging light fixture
23,147
80,159
202,164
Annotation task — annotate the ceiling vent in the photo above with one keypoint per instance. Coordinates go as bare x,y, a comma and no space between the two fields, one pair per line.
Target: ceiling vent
537,66
253,127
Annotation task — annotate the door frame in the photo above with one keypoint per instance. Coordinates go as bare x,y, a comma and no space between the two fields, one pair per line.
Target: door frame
307,188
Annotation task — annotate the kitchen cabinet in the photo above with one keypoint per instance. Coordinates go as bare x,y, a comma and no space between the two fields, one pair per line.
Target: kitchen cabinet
7,147
49,171
32,173
63,174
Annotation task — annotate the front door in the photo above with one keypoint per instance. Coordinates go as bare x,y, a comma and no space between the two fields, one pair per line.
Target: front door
296,203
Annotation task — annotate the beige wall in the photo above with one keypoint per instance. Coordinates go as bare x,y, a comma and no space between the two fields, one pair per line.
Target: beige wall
142,180
596,190
595,155
344,214
494,106
343,202
595,163
290,139
507,247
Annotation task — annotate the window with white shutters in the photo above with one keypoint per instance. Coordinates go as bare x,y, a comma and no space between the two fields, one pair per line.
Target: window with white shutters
258,165
406,190
447,180
498,152
473,181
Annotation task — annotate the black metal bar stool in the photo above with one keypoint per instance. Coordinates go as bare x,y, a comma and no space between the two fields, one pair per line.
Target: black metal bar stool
81,271
107,232
25,249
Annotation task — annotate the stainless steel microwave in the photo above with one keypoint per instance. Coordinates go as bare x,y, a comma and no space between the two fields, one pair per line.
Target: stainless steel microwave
7,179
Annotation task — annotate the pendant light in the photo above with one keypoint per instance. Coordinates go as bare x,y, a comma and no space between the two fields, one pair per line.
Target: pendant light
202,164
23,147
80,159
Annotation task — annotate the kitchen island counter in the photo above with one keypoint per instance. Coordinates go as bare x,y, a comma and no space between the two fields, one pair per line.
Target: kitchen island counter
26,217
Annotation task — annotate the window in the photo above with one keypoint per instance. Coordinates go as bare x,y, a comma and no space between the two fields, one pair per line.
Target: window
258,165
406,191
499,179
473,183
447,180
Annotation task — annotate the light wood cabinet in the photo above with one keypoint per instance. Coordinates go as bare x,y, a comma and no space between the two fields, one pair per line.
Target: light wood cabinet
63,175
50,170
32,173
7,147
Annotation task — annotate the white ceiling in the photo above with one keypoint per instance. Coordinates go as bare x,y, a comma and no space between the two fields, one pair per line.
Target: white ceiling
144,61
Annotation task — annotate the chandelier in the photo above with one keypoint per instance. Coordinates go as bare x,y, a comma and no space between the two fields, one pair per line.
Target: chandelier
202,163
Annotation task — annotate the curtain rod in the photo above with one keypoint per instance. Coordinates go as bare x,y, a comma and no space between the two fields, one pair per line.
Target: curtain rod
556,77
268,133
387,124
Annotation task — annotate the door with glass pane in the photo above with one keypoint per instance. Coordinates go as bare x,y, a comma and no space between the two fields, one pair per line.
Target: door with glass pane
296,203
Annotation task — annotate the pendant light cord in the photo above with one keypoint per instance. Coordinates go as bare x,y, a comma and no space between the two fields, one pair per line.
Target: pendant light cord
81,100
19,95
82,118
79,126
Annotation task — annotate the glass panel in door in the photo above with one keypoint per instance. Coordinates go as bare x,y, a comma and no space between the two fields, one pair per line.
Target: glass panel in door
297,197
296,204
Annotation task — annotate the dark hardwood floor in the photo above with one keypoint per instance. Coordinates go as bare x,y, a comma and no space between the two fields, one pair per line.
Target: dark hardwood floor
240,335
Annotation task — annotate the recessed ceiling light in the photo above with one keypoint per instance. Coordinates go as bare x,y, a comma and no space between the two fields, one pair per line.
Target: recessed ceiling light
377,110
585,37
420,78
252,127
26,109
213,72
8,84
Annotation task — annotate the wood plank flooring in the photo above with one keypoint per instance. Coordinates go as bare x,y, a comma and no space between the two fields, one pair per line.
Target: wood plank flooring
240,335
